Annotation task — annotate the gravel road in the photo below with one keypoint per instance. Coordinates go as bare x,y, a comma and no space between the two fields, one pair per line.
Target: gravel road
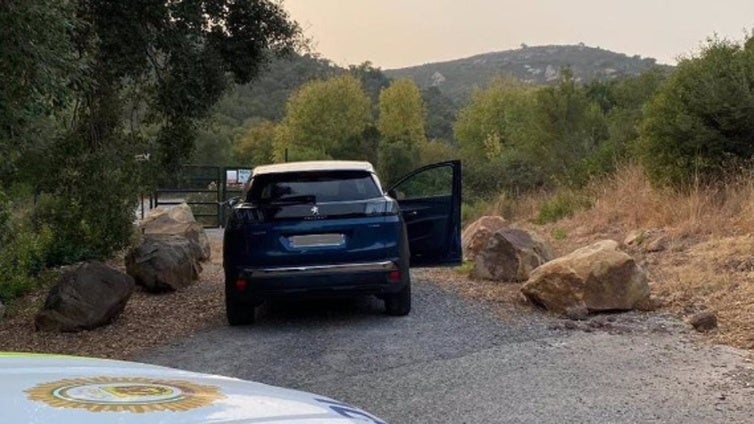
456,361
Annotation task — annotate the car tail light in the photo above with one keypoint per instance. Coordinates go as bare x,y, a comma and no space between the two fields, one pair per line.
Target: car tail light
243,215
241,284
381,207
394,276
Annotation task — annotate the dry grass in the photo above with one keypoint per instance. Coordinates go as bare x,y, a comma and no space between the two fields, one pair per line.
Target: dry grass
708,262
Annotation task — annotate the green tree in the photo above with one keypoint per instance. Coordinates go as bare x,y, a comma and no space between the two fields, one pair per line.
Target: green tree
88,84
256,146
490,122
700,124
488,131
566,128
38,67
441,114
402,127
324,120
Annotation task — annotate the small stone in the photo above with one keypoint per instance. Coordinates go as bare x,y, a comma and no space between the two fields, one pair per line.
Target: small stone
659,244
570,325
577,313
703,321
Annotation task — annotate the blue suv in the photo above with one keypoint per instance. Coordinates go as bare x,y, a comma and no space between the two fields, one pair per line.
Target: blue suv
327,228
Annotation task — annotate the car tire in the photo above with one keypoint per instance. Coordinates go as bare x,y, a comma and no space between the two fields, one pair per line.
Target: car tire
399,304
239,313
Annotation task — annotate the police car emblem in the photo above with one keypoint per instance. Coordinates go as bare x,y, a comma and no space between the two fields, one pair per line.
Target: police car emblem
124,394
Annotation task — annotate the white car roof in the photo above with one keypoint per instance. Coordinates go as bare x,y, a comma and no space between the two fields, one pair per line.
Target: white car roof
67,390
320,165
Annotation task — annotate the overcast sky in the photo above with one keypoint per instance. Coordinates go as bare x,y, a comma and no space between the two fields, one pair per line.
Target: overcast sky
398,33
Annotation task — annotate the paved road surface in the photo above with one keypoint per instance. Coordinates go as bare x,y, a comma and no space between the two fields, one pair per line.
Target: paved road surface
456,361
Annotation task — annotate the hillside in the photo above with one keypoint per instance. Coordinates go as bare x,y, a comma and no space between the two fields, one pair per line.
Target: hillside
535,65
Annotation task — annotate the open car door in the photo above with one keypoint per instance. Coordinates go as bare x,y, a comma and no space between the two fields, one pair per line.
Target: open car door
430,201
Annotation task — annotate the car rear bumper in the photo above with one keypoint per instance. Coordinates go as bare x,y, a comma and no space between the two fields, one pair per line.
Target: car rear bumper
334,280
319,270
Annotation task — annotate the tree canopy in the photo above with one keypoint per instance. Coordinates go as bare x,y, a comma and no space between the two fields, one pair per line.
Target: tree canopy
88,84
700,124
323,118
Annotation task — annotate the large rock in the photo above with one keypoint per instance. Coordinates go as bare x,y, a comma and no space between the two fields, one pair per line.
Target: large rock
510,255
84,298
163,262
476,235
178,220
598,277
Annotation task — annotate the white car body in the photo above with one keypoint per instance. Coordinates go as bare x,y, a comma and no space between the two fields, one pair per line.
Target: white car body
63,389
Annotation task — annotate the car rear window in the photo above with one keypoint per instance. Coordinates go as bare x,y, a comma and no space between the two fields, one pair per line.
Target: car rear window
313,187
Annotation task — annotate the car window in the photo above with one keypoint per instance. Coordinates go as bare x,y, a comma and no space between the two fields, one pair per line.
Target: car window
313,187
433,182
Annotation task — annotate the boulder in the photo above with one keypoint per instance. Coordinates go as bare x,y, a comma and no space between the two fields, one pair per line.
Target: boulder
87,297
598,277
476,235
2,311
178,220
510,255
162,263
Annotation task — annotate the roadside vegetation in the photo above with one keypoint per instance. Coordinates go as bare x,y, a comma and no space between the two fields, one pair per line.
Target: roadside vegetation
85,97
89,87
696,244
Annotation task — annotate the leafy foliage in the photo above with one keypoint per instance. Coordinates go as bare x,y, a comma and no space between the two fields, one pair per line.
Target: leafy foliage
401,124
23,251
89,84
37,68
256,146
323,118
563,204
700,124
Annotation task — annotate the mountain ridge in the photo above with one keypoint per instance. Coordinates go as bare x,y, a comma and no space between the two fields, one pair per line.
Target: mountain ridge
538,65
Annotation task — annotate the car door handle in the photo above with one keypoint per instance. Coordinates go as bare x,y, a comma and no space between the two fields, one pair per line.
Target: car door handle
411,213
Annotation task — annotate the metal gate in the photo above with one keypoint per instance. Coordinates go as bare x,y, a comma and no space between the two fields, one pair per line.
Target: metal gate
205,189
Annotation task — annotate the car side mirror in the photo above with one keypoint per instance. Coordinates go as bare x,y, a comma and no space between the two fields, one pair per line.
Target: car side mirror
392,194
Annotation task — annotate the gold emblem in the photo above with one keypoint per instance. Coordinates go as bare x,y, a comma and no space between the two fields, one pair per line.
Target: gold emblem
116,394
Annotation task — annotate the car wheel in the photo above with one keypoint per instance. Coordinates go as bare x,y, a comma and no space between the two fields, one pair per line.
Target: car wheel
239,313
399,304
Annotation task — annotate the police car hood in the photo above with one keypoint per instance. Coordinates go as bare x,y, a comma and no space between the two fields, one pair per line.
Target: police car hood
64,389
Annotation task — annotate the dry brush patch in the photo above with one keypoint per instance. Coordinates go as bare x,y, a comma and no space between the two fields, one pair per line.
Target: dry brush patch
708,262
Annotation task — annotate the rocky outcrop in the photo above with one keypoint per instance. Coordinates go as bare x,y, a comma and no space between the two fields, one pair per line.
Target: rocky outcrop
90,296
598,277
178,220
510,255
478,233
162,263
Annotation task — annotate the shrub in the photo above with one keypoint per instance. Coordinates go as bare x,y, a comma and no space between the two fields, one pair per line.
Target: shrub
563,204
699,125
22,250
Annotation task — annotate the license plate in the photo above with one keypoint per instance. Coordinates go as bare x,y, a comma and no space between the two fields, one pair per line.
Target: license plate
317,240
